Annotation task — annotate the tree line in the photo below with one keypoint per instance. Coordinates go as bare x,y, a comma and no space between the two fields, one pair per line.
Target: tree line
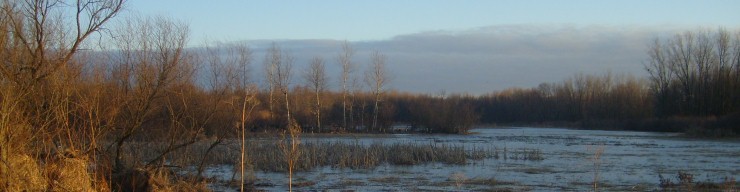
693,85
579,99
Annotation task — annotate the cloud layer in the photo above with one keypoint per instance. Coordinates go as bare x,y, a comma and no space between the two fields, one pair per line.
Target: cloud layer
487,59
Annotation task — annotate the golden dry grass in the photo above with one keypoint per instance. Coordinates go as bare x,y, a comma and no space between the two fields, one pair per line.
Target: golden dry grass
70,174
22,173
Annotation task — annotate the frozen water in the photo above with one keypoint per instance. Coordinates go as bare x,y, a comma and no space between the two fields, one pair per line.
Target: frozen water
628,161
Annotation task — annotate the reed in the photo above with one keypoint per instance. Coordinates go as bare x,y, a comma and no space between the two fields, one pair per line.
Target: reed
266,156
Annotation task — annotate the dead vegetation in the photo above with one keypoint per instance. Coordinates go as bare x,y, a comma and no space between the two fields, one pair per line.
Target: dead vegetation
67,115
358,156
460,181
22,173
685,182
268,155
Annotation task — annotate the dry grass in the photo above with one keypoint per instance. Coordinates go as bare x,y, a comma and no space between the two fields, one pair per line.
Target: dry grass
459,180
160,180
358,156
70,174
266,155
685,182
527,155
385,179
487,182
351,182
22,173
522,154
303,183
59,173
598,151
535,170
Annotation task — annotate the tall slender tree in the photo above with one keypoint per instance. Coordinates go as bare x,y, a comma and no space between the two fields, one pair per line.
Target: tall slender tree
345,60
273,59
376,77
316,79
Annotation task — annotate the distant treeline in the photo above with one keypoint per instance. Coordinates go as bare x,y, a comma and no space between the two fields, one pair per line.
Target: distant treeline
693,86
580,99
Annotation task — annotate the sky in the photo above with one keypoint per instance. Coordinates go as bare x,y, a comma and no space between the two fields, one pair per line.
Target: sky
456,46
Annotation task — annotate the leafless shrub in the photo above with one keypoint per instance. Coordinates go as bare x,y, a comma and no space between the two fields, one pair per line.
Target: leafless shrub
289,145
596,160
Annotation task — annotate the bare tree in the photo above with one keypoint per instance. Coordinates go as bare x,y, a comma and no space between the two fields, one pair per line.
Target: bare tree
692,73
39,41
660,74
273,58
248,105
377,77
47,104
39,27
316,78
278,66
282,70
151,54
38,45
230,90
240,57
357,104
283,73
345,60
229,66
